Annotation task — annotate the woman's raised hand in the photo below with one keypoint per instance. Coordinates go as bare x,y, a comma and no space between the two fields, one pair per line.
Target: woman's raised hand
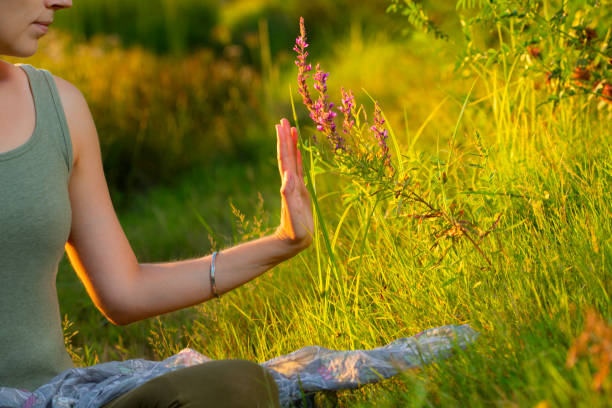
296,225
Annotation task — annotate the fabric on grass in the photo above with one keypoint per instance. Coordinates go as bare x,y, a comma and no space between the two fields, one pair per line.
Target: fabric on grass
304,371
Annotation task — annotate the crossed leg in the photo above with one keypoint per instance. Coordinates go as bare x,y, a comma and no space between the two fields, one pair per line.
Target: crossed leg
218,384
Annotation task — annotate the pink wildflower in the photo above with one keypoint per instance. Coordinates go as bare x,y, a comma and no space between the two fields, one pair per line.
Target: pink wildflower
321,111
381,134
303,67
348,102
323,114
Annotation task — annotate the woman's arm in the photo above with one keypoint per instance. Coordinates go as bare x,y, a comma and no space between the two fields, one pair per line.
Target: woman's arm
126,291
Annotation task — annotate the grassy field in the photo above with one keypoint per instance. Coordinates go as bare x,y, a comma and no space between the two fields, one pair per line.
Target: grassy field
531,273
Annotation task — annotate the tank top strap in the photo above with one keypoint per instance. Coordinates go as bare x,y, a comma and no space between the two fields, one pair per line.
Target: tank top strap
49,110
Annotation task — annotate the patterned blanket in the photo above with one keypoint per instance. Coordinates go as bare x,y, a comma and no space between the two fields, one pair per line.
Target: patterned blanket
304,371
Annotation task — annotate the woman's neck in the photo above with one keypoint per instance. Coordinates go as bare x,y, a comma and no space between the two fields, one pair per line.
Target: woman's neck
7,71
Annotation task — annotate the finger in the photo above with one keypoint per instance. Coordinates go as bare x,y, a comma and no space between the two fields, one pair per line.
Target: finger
281,149
291,147
300,171
288,151
288,184
284,122
278,149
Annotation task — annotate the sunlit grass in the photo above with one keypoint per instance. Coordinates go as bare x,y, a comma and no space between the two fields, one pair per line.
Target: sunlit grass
546,171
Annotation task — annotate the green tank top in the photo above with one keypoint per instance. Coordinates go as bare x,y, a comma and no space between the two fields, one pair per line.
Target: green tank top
35,219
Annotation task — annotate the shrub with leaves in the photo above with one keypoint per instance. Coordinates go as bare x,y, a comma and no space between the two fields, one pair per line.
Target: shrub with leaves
564,45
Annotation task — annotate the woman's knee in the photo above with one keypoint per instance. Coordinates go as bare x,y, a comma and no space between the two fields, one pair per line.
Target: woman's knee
226,383
219,384
158,392
247,384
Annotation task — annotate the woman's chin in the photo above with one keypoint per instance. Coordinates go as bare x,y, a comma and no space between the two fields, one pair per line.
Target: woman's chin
22,48
25,50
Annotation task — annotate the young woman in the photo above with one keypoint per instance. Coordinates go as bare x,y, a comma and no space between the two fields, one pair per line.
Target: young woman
53,196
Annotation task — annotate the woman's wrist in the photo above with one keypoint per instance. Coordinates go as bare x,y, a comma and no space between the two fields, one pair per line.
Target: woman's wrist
288,245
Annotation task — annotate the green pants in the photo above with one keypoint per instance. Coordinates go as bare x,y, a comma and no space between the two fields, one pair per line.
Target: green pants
221,383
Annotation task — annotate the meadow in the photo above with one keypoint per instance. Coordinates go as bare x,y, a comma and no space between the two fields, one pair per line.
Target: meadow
483,198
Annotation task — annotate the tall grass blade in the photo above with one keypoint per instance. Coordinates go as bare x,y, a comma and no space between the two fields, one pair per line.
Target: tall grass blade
310,186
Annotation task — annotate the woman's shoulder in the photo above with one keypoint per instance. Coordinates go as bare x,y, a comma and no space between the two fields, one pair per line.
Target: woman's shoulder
76,110
78,115
70,95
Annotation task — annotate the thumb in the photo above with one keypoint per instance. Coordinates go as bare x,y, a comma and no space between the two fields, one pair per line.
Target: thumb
287,184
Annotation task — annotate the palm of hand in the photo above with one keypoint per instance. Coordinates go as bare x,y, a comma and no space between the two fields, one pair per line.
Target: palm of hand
296,225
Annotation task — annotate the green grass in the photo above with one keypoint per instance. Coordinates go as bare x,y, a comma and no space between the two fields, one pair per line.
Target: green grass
546,170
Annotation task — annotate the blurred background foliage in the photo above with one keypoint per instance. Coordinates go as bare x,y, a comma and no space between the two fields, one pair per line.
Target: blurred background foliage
180,26
174,85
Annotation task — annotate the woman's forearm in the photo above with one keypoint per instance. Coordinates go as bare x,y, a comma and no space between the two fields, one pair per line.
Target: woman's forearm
160,288
147,290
